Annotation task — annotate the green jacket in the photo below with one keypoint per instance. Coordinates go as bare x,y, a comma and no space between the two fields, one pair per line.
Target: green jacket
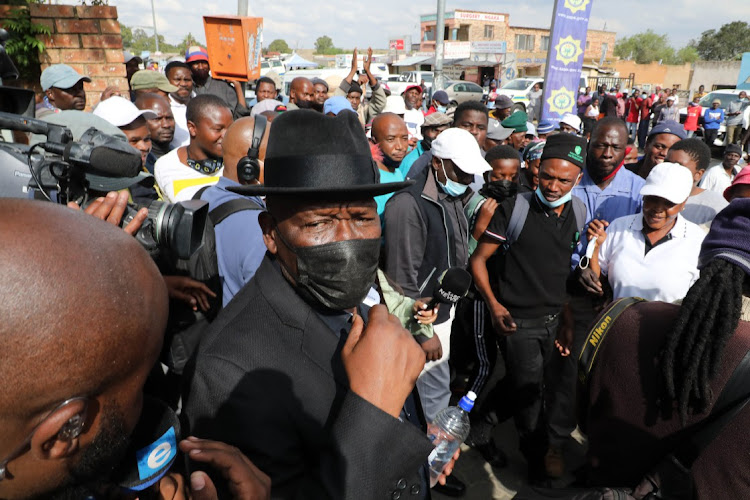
402,307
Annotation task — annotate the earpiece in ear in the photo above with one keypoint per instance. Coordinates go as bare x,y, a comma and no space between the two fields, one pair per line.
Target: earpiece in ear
72,428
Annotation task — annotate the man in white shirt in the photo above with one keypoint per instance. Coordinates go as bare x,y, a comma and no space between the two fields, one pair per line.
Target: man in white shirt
720,177
413,115
183,171
178,73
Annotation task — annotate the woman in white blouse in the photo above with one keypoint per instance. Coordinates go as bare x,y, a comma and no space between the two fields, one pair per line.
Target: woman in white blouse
652,254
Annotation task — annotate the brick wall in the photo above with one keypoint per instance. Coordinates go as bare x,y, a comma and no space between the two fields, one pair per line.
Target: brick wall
88,39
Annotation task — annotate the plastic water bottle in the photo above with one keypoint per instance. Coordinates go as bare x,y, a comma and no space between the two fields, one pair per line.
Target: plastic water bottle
449,429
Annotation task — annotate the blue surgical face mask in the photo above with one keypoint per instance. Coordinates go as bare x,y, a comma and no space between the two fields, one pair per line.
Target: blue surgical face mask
451,187
442,109
558,202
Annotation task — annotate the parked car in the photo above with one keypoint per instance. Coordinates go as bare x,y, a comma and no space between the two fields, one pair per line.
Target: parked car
518,89
725,96
411,78
272,64
459,92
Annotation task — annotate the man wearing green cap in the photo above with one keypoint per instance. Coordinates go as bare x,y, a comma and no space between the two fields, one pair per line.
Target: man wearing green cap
146,81
524,286
517,122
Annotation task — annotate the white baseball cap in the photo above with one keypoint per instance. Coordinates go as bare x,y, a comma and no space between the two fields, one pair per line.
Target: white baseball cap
530,129
459,146
572,120
670,181
120,112
394,104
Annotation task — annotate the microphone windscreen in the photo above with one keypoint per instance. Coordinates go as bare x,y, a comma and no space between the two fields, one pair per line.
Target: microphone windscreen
115,163
455,284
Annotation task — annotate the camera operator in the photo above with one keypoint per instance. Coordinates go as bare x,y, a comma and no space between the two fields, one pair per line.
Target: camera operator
185,170
76,358
63,89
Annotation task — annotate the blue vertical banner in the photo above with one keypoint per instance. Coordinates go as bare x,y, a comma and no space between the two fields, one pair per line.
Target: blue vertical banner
570,22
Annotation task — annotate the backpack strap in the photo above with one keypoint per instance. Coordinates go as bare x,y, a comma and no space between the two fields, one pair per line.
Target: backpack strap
199,193
224,210
579,209
518,217
596,336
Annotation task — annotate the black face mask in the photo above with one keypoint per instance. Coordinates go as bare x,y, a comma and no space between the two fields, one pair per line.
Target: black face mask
206,166
499,190
427,143
336,275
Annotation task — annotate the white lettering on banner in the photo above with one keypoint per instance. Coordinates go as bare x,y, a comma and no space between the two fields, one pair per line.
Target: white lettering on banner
488,47
457,50
479,16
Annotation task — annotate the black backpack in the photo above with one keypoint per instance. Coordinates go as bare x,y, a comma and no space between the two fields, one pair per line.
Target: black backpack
186,326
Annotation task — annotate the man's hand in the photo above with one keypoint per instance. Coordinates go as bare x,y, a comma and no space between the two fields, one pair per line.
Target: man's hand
433,348
368,61
448,470
564,339
192,292
245,480
354,62
382,360
363,79
111,209
502,321
590,281
110,91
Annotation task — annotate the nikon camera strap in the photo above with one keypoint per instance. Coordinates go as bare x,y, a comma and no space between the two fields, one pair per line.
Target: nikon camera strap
597,334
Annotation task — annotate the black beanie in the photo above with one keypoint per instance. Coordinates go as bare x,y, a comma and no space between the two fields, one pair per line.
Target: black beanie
566,147
354,88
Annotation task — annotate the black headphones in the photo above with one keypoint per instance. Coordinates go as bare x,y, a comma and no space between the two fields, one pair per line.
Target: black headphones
248,168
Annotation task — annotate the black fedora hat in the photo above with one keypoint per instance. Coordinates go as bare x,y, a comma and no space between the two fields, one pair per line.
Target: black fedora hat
311,153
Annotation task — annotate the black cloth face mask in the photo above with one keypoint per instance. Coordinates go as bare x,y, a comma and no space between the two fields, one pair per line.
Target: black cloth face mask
499,190
206,166
336,275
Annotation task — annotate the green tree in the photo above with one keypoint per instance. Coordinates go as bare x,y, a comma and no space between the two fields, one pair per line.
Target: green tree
688,54
279,45
729,42
646,47
323,44
188,41
127,35
23,46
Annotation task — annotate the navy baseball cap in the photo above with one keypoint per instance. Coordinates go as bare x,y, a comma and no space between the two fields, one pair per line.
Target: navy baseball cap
668,127
441,96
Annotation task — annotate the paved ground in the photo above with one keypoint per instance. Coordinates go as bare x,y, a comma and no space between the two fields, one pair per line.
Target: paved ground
484,483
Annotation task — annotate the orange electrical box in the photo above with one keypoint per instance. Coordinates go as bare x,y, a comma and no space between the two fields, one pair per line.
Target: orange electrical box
234,46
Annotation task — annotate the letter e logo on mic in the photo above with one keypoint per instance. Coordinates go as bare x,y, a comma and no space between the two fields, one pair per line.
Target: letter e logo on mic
156,455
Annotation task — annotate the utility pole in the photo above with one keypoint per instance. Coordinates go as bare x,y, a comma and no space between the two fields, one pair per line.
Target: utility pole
243,8
439,78
153,17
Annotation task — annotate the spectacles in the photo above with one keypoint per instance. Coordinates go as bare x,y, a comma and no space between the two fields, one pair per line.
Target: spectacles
70,430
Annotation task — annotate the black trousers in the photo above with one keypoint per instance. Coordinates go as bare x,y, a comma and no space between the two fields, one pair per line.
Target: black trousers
710,136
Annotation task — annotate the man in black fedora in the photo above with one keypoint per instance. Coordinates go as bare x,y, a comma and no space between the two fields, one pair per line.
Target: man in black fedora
315,387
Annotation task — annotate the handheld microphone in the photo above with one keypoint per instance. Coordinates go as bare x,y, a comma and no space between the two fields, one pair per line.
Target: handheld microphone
454,284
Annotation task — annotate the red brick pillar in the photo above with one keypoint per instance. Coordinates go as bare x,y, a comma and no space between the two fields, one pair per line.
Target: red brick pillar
86,38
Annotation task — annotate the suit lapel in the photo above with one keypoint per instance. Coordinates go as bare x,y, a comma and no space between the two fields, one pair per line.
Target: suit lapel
319,343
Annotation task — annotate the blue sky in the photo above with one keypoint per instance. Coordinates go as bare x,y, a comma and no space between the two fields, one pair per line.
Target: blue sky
362,23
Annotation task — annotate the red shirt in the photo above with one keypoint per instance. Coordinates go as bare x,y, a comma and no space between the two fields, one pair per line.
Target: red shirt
693,113
645,108
633,105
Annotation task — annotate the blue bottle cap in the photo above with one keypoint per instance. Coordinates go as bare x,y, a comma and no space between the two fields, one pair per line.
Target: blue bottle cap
467,402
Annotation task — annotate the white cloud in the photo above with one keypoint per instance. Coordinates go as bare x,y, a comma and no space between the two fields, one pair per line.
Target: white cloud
362,23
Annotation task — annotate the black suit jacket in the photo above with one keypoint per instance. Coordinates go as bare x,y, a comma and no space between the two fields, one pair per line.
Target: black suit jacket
268,379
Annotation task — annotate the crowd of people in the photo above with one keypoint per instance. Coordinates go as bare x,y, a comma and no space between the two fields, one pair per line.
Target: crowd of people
312,365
